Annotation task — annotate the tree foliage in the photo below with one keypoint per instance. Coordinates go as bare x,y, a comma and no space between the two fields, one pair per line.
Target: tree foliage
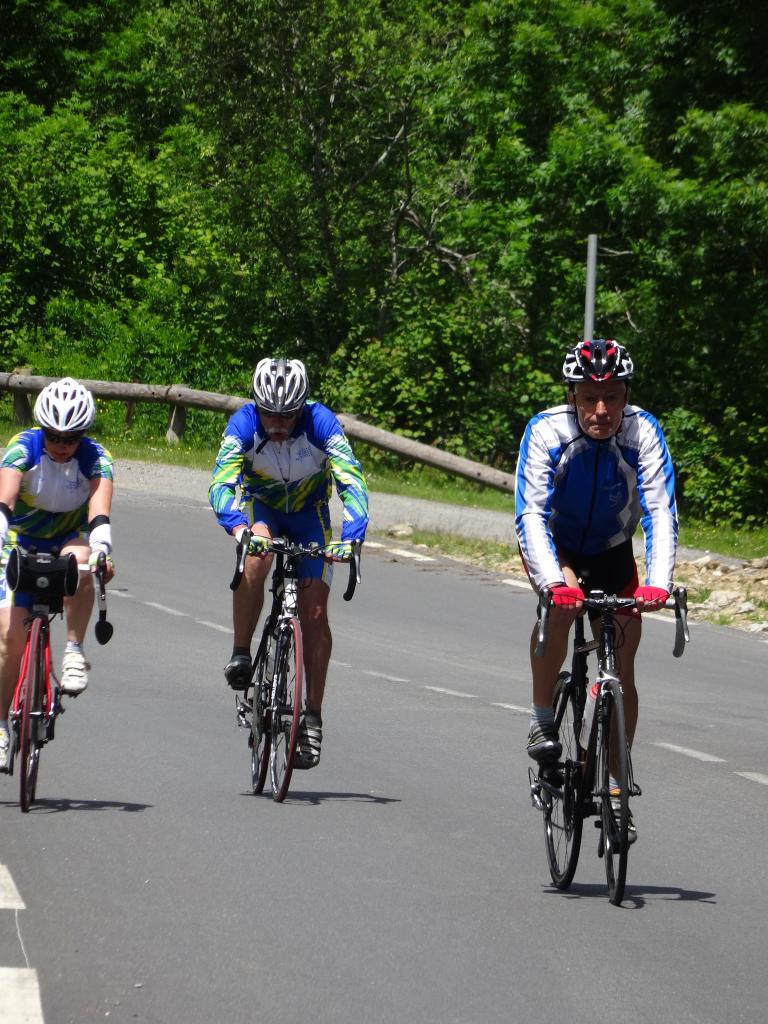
402,195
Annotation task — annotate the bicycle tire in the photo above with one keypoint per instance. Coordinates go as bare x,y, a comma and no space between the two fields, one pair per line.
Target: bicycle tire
31,712
286,708
563,821
260,739
613,759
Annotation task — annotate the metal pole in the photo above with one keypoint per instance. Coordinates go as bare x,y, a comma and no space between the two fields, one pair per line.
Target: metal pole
589,300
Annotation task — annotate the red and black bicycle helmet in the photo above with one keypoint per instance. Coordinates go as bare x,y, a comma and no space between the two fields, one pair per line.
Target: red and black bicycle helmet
598,360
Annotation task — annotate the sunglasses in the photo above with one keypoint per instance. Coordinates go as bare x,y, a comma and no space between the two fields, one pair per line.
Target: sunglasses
53,438
266,414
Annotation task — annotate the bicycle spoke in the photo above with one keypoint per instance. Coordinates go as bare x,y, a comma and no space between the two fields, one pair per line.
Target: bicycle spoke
560,791
259,739
286,708
31,718
613,762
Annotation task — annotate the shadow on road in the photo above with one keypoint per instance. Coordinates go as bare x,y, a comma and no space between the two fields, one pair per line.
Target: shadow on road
637,896
320,798
48,806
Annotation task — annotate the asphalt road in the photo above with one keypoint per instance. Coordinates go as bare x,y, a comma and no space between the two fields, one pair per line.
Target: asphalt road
405,878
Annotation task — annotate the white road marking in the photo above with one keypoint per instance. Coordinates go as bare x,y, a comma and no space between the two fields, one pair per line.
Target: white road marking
374,544
518,583
341,664
164,608
511,707
754,777
20,996
451,693
9,894
411,554
699,755
119,593
383,675
213,625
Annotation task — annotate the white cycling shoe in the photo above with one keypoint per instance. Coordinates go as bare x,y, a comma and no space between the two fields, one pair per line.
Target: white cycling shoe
74,673
5,748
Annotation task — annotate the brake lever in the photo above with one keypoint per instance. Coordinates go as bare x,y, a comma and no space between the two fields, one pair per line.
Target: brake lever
241,554
682,634
102,629
542,613
355,575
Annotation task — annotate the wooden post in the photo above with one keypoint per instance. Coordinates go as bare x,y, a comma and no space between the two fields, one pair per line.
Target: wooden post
22,410
176,424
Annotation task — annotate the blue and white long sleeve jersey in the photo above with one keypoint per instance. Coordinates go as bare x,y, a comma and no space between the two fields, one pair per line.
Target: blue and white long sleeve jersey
589,496
291,475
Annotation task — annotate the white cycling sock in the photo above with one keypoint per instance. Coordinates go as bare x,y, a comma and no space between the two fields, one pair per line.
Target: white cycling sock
542,715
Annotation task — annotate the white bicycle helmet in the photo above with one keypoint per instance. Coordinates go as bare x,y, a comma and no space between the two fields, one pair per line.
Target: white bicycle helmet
65,406
598,360
280,385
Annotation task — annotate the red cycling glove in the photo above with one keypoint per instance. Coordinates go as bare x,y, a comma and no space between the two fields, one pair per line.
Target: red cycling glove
567,596
651,597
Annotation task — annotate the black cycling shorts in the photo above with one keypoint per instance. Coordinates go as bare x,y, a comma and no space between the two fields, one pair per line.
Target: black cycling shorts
613,571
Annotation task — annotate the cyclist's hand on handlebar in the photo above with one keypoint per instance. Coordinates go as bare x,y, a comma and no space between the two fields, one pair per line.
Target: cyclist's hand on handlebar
257,545
339,551
650,598
109,565
565,596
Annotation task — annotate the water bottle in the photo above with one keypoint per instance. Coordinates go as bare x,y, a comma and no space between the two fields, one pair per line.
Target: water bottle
593,692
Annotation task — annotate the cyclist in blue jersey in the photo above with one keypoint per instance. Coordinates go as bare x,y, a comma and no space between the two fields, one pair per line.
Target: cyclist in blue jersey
588,473
55,492
284,454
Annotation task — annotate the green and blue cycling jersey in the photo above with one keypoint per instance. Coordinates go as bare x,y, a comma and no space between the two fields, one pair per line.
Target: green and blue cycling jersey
54,496
291,476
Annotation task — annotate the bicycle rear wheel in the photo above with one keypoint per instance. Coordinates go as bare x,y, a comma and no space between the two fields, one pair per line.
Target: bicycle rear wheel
561,790
613,760
286,708
260,738
31,718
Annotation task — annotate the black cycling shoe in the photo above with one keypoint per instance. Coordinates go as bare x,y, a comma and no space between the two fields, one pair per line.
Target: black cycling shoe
543,744
238,670
310,739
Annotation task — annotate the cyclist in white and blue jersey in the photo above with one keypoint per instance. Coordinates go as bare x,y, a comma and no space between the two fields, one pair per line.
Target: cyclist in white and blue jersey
284,454
55,492
588,473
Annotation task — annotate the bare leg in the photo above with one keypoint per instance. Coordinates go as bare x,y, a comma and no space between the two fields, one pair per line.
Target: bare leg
628,633
546,669
316,633
248,599
78,609
12,638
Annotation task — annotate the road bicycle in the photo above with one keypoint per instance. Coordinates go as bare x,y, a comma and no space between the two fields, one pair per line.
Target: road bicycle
36,703
272,705
593,777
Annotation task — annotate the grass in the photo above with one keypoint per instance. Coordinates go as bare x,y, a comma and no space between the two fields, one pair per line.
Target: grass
386,474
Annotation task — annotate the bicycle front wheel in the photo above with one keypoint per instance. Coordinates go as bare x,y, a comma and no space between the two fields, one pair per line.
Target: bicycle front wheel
613,782
561,790
260,739
286,707
31,718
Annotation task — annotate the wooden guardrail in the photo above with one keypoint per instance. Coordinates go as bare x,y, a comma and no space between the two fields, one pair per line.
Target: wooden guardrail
180,398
